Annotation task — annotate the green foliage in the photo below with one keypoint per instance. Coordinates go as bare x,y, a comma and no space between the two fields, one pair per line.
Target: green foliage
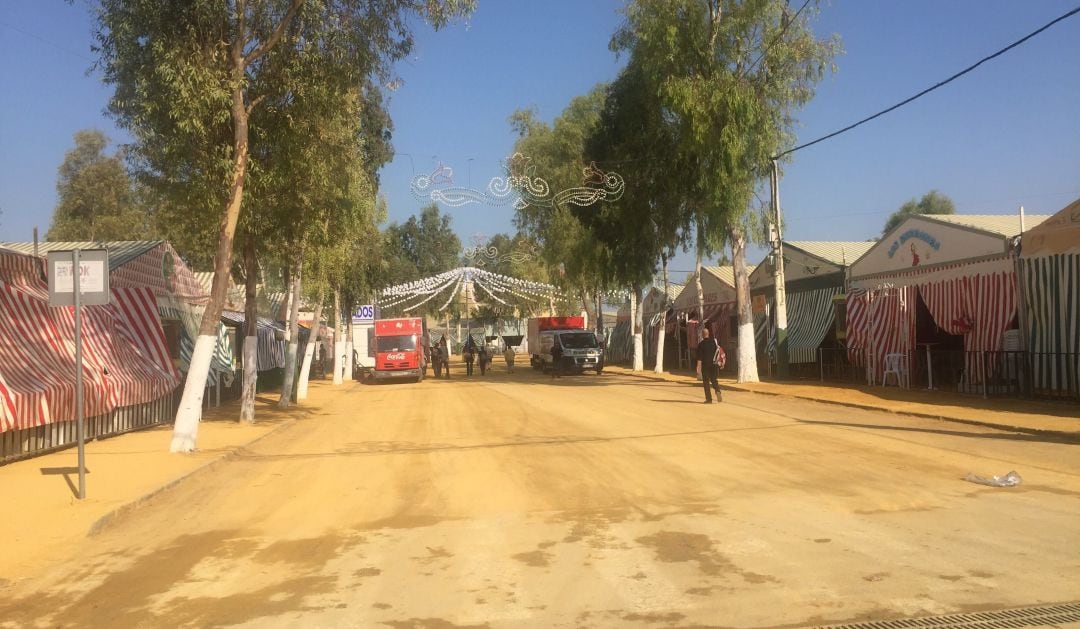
420,247
728,75
932,202
194,79
557,153
97,198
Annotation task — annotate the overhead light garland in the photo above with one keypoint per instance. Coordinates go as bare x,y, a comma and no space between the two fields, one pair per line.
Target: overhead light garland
520,188
419,292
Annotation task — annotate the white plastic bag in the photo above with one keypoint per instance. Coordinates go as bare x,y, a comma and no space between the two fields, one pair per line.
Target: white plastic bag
1011,479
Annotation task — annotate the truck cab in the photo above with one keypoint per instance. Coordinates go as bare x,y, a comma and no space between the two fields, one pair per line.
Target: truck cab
581,349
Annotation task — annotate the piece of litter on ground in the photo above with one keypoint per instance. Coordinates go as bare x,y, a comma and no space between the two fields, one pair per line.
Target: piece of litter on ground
1009,480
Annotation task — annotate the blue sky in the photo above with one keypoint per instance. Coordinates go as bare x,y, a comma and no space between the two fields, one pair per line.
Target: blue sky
1006,135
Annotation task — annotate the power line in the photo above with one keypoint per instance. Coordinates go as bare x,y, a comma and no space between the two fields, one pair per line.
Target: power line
777,38
933,87
45,41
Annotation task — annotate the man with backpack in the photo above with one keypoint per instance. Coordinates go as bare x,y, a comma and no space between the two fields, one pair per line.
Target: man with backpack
711,360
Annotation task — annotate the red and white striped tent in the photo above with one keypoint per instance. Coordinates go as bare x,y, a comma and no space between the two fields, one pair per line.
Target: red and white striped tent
125,360
963,267
718,290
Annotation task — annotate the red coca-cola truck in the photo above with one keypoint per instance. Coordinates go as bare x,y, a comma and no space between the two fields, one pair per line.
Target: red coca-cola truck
399,349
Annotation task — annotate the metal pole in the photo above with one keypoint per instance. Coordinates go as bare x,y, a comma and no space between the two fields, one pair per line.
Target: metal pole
778,279
80,432
929,370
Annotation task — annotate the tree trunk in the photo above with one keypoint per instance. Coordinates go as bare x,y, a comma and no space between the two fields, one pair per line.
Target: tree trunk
294,334
599,313
186,426
747,352
663,321
635,314
309,350
251,332
339,342
699,289
587,308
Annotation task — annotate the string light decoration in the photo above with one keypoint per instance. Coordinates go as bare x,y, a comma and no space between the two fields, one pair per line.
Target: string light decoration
521,188
420,292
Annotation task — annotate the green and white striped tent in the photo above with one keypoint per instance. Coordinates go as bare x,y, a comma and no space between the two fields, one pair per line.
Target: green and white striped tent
1050,283
814,274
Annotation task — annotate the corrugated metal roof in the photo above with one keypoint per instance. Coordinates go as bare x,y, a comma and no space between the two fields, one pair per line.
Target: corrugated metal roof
120,251
840,253
673,290
1007,225
726,274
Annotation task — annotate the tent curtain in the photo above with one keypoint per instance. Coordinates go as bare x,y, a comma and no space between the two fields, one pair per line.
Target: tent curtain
1052,298
810,315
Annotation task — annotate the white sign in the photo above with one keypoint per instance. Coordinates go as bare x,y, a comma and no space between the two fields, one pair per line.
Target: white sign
364,314
93,277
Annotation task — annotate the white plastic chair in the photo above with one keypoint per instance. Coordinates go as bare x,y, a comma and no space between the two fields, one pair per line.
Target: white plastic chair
896,365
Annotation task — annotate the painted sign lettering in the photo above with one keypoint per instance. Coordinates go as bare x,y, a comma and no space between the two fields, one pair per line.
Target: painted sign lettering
918,234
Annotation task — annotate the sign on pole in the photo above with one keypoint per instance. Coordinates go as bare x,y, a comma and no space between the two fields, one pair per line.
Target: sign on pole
79,277
93,277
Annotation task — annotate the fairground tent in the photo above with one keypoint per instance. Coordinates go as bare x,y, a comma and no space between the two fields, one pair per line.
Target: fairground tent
1050,282
179,296
962,267
814,273
125,359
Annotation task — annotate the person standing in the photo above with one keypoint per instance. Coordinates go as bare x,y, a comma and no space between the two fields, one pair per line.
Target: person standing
445,353
469,356
483,356
709,361
436,359
509,356
556,358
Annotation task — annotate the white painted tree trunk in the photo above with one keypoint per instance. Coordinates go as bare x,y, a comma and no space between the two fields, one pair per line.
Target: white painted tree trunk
748,371
339,342
699,289
294,339
251,378
635,314
186,428
251,333
663,322
309,353
350,364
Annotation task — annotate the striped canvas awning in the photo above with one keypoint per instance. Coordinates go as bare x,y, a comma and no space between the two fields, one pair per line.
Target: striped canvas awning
1052,297
271,341
124,357
810,316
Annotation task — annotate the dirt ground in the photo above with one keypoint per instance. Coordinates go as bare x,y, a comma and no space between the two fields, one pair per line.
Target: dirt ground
607,501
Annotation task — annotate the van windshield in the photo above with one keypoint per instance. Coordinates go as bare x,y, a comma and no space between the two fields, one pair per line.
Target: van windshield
403,343
578,340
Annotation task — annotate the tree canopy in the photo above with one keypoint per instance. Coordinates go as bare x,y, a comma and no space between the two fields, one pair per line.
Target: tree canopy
97,200
932,202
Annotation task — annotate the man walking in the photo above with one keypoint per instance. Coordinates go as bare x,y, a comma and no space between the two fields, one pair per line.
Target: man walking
444,353
468,355
509,356
710,360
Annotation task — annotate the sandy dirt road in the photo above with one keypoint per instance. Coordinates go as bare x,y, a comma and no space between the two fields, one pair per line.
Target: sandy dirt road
590,501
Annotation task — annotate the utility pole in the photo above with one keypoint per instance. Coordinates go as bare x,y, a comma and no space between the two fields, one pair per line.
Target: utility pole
778,278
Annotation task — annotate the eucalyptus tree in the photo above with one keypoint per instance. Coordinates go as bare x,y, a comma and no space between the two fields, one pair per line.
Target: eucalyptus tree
730,74
185,72
96,197
645,226
557,154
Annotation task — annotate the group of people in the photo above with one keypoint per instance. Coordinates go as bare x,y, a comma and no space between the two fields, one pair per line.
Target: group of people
472,355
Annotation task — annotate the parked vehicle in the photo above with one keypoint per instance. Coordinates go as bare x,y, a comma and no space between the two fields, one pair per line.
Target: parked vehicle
581,349
399,349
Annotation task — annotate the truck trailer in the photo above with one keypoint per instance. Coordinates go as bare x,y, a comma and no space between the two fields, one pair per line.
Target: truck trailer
399,349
